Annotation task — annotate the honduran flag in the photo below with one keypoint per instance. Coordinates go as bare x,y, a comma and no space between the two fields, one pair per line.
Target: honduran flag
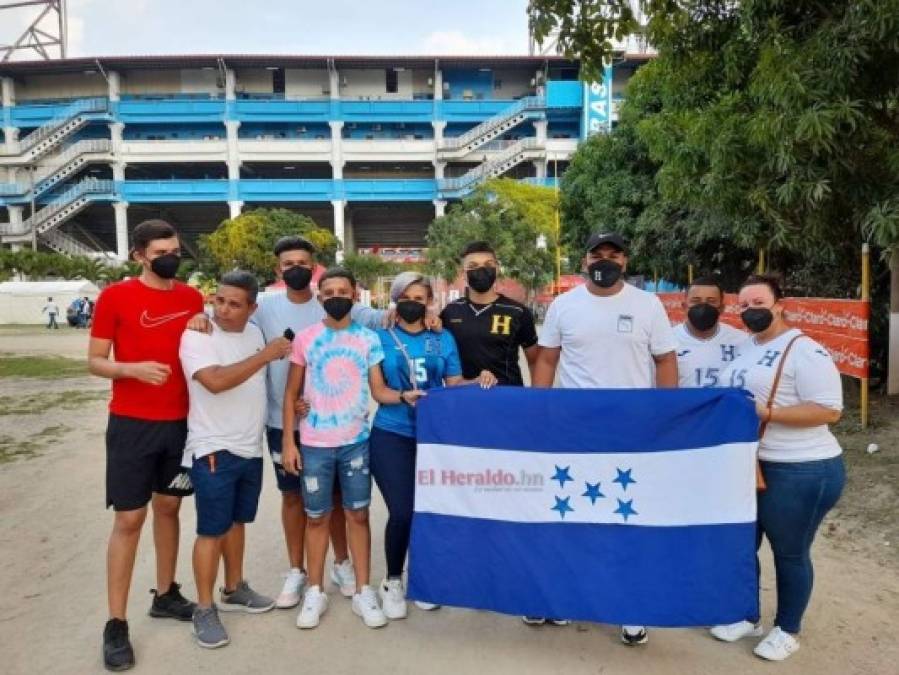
633,507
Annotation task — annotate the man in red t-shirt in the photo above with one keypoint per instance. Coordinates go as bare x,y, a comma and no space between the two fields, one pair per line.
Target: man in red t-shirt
140,322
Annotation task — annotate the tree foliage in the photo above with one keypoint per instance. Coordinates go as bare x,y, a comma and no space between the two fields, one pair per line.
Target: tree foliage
511,216
246,242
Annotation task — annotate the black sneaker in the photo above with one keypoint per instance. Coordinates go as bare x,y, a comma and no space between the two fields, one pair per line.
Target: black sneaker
171,604
636,636
117,651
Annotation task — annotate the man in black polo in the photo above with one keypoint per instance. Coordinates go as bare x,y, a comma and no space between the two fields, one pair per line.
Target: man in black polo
488,327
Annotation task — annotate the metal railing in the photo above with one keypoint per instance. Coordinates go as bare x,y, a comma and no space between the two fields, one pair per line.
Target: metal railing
64,243
520,106
484,170
86,105
66,198
54,164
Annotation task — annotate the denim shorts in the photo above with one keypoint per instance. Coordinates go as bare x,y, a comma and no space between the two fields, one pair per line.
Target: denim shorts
226,491
349,463
287,482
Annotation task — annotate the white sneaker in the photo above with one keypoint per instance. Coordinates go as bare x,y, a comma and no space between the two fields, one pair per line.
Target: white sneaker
777,645
365,604
314,605
294,581
426,606
393,599
732,632
344,577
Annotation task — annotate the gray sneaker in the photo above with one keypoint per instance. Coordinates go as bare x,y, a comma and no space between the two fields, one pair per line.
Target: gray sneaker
208,630
245,599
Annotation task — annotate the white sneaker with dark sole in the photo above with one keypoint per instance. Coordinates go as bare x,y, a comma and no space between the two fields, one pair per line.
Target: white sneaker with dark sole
634,635
732,632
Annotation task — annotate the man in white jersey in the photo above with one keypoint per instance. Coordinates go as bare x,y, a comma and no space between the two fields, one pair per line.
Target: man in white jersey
705,345
606,334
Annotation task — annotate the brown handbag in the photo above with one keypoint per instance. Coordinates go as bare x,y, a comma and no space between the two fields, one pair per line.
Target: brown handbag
759,476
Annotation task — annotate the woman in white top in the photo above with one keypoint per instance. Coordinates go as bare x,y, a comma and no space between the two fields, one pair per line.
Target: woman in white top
800,459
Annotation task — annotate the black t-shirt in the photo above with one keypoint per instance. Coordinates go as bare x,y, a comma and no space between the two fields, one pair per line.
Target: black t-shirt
488,336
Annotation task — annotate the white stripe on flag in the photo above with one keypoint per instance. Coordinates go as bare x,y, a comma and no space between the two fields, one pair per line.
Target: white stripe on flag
703,486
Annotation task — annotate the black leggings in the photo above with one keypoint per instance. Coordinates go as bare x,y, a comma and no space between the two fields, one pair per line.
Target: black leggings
392,459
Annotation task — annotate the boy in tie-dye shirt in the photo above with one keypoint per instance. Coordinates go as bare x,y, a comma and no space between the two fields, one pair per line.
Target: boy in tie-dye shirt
335,368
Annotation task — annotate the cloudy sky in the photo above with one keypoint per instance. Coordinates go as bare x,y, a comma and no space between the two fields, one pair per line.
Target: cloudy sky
123,27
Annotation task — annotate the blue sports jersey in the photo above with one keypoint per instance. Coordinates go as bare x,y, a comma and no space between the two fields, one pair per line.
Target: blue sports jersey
432,357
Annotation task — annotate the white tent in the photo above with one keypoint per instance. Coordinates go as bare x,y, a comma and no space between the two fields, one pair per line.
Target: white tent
22,301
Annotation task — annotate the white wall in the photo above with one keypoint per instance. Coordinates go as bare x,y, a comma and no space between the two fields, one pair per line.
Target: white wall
257,81
198,81
60,86
140,82
305,83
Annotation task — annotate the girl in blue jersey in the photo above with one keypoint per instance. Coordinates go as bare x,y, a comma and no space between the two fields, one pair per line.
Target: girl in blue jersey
415,358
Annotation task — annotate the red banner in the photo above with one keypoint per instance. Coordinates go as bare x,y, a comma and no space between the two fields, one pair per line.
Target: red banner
839,325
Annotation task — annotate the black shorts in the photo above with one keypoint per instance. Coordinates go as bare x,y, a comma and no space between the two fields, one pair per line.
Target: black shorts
143,457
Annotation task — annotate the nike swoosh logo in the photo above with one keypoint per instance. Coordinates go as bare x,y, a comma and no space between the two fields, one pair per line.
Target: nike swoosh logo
148,321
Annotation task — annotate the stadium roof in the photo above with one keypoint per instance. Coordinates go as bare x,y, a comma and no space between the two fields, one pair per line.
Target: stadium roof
81,64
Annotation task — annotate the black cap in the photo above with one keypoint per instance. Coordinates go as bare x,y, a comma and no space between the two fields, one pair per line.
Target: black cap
613,238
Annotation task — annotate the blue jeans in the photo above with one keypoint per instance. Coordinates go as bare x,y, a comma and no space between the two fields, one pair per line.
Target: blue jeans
348,464
393,468
226,490
798,496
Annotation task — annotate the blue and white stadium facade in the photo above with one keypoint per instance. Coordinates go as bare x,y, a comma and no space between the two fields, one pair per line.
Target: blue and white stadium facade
371,147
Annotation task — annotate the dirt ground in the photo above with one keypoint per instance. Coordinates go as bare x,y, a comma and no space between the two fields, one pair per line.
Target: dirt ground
53,533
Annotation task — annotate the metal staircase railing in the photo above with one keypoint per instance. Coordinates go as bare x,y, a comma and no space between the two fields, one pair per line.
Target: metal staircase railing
61,242
67,163
67,204
505,160
49,135
492,127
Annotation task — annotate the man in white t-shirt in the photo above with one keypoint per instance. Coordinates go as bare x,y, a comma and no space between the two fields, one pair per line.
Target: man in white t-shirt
705,346
606,334
225,372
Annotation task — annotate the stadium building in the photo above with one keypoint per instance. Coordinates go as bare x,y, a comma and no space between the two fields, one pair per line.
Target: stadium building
371,147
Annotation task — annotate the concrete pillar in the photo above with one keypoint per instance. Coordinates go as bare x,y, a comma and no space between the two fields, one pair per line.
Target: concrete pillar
336,150
349,234
235,207
11,139
438,84
233,159
893,373
118,171
230,85
121,230
116,133
439,208
439,128
7,91
114,86
339,232
540,126
15,217
334,83
439,169
540,166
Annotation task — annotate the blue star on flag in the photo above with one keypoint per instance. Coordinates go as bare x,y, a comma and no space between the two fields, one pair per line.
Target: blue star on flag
592,492
624,477
562,506
562,475
625,509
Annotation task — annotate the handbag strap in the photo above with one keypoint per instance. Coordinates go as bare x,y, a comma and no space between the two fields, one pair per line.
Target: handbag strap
780,369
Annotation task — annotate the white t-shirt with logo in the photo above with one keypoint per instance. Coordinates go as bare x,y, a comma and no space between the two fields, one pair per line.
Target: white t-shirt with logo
607,342
701,361
231,420
809,376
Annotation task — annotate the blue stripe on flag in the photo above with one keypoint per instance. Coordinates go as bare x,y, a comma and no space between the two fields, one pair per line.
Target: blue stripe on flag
609,420
653,576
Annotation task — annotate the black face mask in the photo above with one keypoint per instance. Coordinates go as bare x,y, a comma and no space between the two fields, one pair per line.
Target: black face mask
166,266
297,277
337,308
410,311
481,279
757,319
703,316
605,273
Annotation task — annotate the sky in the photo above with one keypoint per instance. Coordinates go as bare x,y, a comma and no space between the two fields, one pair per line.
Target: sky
132,27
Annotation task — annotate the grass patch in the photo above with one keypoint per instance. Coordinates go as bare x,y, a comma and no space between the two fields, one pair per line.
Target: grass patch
13,448
42,367
43,402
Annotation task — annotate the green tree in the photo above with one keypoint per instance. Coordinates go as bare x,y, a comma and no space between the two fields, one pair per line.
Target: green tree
247,241
367,268
511,216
